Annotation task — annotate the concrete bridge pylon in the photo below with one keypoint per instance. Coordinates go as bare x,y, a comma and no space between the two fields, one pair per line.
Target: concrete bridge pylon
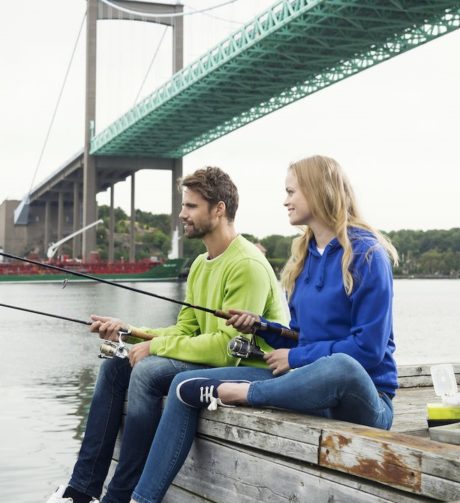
96,11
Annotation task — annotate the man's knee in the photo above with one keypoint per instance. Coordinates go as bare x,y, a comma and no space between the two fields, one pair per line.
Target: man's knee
153,372
113,376
114,368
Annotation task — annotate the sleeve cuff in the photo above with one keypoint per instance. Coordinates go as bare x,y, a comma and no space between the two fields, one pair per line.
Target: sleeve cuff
296,357
156,345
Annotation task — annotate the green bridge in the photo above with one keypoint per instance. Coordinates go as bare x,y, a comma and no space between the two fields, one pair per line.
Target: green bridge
293,49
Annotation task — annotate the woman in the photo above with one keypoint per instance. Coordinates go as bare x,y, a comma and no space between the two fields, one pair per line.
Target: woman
340,288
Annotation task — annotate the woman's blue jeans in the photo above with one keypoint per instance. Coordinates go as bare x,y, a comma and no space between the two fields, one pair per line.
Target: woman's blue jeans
335,386
147,383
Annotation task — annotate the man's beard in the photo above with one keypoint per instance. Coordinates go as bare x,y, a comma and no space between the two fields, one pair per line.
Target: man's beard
198,232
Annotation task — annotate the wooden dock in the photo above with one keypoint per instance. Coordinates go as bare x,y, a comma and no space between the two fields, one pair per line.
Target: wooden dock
251,455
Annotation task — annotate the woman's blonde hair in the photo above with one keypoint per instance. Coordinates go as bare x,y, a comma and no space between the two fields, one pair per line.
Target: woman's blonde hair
331,200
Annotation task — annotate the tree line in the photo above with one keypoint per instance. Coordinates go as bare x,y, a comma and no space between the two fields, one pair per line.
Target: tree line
432,253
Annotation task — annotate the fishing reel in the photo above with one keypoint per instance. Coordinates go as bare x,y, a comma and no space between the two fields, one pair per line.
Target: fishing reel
110,349
240,347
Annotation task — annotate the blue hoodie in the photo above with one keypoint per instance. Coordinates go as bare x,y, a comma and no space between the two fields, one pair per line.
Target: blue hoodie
329,321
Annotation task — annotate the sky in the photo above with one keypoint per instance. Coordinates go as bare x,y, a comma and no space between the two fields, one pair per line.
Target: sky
394,128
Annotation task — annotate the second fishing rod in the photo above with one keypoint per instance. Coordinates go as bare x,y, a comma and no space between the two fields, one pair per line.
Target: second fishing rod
283,332
239,347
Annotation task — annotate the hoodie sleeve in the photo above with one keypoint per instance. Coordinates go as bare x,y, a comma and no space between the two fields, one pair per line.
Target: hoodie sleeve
275,340
187,322
370,317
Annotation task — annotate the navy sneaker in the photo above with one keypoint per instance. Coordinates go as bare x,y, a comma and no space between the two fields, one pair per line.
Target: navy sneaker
200,392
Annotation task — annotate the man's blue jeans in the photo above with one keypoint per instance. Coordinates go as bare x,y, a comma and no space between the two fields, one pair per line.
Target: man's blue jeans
335,386
146,384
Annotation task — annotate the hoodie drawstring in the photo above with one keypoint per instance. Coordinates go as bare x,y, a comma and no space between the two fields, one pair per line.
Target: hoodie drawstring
322,271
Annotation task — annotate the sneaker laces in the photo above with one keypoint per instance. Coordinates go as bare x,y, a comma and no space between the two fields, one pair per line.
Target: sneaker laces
207,396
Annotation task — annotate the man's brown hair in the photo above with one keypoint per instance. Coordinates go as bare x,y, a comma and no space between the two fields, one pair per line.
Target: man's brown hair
214,185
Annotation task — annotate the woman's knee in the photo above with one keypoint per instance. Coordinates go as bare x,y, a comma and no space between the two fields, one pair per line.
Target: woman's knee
183,376
344,367
340,367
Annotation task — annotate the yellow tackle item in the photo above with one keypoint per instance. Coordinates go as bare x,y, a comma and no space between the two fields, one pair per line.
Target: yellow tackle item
445,386
443,411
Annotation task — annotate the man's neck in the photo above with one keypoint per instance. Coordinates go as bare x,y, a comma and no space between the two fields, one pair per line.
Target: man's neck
219,240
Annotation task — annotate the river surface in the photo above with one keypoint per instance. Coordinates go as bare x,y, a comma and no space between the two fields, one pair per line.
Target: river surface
48,367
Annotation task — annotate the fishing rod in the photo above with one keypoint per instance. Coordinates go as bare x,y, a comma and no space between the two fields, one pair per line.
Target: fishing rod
284,332
47,314
108,349
134,331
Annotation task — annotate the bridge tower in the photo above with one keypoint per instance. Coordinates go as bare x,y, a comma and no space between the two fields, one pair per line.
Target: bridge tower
97,10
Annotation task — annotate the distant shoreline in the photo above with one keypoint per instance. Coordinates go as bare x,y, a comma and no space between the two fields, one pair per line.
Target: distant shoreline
424,276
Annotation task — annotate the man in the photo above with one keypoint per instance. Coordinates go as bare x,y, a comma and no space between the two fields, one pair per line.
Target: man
231,274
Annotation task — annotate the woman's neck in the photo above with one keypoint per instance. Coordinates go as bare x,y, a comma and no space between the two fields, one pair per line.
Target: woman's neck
323,235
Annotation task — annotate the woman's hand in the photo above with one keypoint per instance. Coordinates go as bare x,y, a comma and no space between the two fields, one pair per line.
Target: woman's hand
138,352
278,361
107,327
242,321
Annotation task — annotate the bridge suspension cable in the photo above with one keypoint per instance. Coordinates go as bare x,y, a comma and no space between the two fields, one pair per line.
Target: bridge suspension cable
213,16
177,14
151,64
53,117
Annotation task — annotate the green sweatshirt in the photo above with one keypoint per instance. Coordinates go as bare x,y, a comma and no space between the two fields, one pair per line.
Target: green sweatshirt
239,278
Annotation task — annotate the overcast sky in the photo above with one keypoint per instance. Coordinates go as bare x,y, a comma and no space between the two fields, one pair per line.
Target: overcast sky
394,127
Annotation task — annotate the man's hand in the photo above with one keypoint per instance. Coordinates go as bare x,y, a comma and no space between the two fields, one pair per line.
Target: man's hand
278,361
107,327
242,321
138,352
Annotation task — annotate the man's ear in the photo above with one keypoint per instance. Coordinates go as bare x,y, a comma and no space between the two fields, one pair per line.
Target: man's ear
221,209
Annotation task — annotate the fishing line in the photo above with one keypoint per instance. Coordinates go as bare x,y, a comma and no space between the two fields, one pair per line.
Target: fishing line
284,332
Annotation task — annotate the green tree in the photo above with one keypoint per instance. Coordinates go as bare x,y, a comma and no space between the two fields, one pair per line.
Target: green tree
157,242
104,213
148,220
270,243
250,237
193,248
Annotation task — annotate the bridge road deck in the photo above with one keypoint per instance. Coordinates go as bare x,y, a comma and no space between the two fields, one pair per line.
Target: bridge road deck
251,455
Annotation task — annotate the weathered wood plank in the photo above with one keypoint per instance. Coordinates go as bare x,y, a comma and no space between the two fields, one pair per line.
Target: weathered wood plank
410,376
258,440
225,474
292,425
178,495
399,460
416,370
371,459
410,410
266,429
442,489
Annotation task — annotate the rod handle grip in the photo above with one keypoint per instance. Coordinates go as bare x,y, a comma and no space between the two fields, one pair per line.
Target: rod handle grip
222,314
289,334
283,332
135,332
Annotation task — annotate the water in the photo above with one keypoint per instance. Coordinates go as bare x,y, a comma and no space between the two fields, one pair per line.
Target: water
48,366
47,374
